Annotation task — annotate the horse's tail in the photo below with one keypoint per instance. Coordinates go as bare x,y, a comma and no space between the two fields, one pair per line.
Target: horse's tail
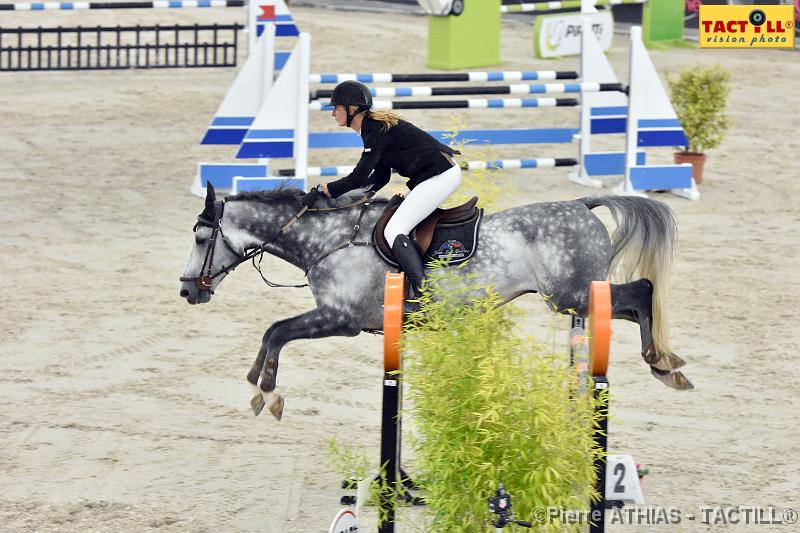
643,246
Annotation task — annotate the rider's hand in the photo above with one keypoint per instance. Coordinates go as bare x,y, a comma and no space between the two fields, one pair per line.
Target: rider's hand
311,197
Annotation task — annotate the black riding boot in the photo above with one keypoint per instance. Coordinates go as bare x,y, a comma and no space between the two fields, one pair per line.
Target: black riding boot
411,264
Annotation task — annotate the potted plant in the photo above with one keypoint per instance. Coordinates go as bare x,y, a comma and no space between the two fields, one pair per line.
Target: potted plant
699,95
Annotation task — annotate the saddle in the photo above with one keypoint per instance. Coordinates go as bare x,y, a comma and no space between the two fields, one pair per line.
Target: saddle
434,229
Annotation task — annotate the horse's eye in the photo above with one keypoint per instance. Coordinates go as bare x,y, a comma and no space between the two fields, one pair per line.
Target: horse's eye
199,241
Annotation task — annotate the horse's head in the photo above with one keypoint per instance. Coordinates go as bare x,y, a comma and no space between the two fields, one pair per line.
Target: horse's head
211,257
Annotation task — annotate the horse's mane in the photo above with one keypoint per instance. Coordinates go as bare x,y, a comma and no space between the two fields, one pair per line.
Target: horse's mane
283,194
291,196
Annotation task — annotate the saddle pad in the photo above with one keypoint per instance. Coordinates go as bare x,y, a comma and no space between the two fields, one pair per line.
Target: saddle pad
454,243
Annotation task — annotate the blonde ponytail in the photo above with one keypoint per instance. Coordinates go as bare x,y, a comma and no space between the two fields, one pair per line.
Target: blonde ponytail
387,117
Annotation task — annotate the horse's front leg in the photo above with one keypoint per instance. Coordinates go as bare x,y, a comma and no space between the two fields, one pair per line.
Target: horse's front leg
311,325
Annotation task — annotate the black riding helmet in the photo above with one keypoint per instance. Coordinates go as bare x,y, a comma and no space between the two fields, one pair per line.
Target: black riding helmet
352,93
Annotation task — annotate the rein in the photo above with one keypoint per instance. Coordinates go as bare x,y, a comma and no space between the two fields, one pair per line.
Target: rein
205,280
259,252
352,242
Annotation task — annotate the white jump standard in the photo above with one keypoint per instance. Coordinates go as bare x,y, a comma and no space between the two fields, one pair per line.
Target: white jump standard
269,120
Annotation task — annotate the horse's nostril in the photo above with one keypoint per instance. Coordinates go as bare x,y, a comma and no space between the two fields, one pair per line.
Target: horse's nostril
184,293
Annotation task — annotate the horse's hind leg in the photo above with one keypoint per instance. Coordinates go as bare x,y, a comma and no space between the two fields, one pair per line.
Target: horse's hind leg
634,302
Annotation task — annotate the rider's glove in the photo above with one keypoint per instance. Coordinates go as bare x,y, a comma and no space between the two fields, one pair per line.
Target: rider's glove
311,197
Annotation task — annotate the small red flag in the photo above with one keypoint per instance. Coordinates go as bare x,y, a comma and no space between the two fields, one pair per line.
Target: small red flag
267,12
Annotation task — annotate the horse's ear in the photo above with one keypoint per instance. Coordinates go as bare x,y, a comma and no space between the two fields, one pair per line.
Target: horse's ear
211,196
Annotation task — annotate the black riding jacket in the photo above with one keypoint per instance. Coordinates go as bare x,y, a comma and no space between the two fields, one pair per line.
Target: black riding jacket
404,147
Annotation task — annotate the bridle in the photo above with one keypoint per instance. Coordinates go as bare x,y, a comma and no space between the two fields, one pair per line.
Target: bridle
205,279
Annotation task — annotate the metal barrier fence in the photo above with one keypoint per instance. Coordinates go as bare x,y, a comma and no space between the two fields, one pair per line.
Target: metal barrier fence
119,47
156,4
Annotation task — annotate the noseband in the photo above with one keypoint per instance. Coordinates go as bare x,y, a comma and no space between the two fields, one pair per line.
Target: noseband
205,279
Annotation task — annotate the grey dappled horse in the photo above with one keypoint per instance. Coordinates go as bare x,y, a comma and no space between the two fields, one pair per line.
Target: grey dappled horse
553,248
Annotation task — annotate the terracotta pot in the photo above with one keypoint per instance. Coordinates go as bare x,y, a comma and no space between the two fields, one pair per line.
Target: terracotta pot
697,161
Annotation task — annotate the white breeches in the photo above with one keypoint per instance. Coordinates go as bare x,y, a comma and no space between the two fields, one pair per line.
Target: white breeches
421,202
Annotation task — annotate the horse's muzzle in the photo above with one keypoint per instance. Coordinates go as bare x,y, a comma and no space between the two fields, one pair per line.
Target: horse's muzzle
199,297
203,286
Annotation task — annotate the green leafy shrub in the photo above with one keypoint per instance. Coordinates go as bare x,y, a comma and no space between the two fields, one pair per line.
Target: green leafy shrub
487,184
699,95
353,466
347,461
490,408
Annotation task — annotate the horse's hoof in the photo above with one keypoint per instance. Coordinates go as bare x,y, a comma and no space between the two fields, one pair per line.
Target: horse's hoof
675,362
667,362
257,404
662,361
673,380
680,382
276,406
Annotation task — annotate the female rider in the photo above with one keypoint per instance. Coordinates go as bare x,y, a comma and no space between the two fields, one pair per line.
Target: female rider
393,143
